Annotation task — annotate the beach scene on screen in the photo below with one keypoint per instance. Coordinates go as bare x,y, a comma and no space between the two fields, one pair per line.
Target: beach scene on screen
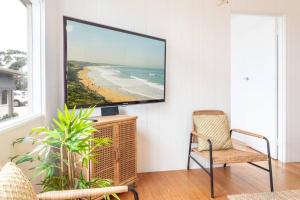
107,66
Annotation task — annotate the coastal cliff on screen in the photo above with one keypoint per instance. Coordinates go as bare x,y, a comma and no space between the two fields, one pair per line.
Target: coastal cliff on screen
106,66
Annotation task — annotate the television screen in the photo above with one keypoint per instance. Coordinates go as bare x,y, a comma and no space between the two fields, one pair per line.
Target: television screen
109,66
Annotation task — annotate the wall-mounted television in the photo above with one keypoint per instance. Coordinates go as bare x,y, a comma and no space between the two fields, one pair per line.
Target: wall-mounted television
106,66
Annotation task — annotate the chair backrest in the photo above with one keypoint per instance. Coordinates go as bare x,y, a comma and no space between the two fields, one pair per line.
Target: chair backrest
205,112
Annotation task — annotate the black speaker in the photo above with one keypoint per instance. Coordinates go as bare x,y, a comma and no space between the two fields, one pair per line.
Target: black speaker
109,111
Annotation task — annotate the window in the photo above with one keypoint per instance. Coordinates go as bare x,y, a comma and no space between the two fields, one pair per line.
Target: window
3,97
20,94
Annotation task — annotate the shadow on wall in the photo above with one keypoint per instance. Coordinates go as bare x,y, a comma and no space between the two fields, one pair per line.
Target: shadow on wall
10,135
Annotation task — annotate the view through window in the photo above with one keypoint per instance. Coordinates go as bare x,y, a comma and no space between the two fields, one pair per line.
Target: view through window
14,69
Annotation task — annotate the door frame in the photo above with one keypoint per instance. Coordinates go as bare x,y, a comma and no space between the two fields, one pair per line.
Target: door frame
281,80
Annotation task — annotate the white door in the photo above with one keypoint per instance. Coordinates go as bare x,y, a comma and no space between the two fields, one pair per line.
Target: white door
254,78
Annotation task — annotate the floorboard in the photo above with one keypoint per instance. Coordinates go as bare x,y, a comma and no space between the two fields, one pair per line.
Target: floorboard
234,179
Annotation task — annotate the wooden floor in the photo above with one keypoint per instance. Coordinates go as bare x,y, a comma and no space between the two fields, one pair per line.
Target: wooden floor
194,184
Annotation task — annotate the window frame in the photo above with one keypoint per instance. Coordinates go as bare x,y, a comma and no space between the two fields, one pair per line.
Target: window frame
35,61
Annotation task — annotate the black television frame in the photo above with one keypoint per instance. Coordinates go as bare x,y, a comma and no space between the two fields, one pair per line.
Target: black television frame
65,19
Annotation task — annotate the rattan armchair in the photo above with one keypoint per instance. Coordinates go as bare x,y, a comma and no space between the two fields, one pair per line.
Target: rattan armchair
240,154
86,193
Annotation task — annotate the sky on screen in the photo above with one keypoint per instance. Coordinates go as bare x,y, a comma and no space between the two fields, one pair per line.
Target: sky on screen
100,45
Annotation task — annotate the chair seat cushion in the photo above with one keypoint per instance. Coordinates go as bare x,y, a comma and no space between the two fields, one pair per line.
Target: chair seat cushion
216,128
233,156
14,185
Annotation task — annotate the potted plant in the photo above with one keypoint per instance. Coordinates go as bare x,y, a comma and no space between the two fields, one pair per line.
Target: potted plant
63,151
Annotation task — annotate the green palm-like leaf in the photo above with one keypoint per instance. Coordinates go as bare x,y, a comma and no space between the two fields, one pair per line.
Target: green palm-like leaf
65,145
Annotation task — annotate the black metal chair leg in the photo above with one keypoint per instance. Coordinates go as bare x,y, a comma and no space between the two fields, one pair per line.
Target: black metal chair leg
270,165
135,194
225,165
211,174
212,193
190,149
271,176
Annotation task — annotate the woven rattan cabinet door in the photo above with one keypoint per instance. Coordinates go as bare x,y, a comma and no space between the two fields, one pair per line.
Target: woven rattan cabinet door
127,152
104,165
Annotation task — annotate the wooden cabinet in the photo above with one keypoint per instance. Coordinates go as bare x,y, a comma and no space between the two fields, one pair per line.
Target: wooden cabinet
118,160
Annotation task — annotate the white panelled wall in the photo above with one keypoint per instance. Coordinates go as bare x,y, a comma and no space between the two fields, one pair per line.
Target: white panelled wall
198,70
198,67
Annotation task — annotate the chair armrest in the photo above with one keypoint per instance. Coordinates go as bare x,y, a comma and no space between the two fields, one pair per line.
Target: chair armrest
201,136
257,136
81,193
247,133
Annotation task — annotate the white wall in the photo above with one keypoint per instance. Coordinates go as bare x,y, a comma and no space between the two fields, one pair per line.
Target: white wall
10,135
52,75
197,67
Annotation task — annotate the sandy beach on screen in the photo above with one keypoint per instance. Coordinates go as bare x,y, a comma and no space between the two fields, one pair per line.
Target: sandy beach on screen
108,94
